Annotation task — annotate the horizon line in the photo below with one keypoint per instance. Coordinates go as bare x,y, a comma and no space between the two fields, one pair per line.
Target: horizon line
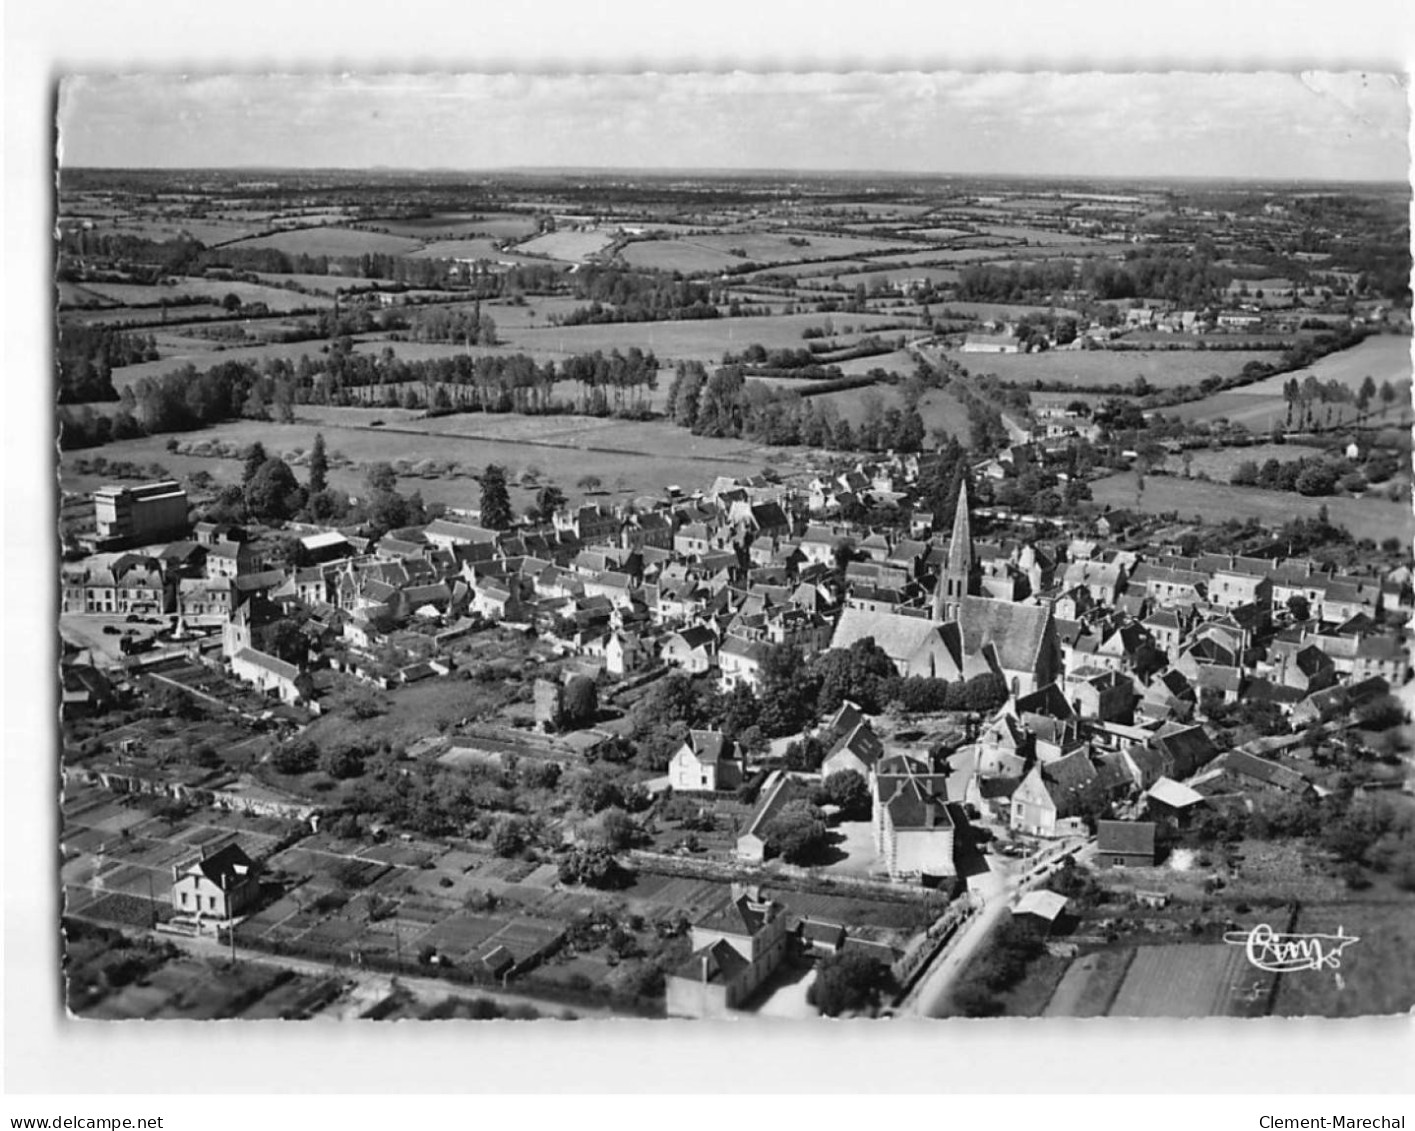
721,170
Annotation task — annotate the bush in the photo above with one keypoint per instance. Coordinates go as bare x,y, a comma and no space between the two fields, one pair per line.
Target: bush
849,982
510,838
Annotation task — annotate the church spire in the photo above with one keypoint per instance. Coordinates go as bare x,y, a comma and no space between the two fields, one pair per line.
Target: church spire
955,581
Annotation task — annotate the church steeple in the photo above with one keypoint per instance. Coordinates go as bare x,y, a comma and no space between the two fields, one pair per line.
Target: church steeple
956,580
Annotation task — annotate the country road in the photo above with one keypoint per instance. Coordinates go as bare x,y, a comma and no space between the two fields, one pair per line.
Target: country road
998,890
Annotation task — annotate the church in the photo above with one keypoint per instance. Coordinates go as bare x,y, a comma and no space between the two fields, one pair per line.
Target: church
965,634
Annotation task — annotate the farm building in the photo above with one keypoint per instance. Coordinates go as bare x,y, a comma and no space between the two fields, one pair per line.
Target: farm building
1125,844
1045,906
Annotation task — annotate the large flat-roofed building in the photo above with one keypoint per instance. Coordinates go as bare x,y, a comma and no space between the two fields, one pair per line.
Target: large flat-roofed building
149,511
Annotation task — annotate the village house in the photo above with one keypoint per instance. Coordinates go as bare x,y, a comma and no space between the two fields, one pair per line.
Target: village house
219,886
706,763
1125,844
737,946
913,824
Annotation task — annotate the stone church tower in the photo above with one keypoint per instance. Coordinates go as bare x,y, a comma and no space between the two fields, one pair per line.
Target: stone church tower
957,579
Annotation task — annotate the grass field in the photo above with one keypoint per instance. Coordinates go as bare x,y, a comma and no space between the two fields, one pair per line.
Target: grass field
332,241
889,277
702,340
1162,369
1377,974
571,247
630,459
1089,986
1383,357
456,225
1376,519
131,294
475,247
686,255
1188,981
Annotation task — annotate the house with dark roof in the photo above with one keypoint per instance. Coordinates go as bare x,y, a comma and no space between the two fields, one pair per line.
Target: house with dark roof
706,763
1125,844
858,748
1054,795
778,789
914,824
219,885
737,945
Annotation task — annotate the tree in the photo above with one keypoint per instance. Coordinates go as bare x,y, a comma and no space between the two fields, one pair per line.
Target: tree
1388,395
273,494
346,761
255,460
594,867
509,839
849,982
495,499
380,478
796,833
581,702
848,790
589,484
319,466
299,756
549,499
1299,607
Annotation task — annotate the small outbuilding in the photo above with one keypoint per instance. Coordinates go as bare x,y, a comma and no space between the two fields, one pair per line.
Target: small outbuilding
1125,844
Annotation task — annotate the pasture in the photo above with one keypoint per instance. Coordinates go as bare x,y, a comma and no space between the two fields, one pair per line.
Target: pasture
892,277
685,255
569,246
457,225
278,299
332,242
703,340
1382,357
1373,518
1194,980
475,247
1161,369
629,458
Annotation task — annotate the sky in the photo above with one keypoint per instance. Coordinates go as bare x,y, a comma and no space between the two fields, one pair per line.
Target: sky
1267,125
1326,126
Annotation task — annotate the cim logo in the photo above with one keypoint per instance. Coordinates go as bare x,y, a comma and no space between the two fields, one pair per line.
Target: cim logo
1283,954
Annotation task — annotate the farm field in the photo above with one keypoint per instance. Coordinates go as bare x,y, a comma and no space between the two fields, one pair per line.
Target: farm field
703,340
456,225
775,247
627,469
1376,519
1221,464
571,247
1090,984
332,241
686,255
326,284
1260,412
1161,369
869,279
1036,235
476,247
1383,357
1377,974
1195,980
900,361
203,355
131,294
